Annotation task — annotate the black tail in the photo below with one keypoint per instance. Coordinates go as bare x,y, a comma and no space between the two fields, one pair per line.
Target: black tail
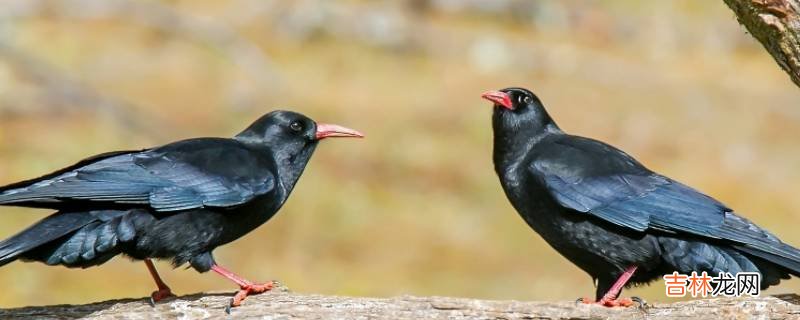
48,230
774,267
775,260
785,256
775,256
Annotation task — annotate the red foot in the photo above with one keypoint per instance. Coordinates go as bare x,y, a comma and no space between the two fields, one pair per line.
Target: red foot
610,298
610,303
250,289
161,294
621,302
163,291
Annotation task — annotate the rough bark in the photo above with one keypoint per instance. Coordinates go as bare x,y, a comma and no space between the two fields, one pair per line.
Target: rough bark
776,24
288,306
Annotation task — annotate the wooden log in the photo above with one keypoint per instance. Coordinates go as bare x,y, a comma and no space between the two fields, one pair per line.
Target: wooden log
288,306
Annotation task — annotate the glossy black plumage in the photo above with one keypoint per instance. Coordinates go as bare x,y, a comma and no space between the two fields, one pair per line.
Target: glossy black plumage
606,212
178,201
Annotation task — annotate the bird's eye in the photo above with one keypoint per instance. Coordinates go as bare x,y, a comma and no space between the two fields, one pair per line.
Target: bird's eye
527,100
296,126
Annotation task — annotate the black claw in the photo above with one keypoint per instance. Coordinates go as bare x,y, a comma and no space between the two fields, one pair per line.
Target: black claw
642,303
229,307
579,301
152,302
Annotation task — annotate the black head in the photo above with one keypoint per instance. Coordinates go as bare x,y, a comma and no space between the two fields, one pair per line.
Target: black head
291,138
291,128
519,121
518,108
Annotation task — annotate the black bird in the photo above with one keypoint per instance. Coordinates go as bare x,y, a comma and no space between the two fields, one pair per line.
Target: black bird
179,201
615,219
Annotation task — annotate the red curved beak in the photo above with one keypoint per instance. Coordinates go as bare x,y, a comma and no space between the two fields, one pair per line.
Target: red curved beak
499,98
325,130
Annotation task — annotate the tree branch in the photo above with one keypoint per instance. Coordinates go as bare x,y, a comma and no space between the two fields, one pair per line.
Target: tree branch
776,24
284,305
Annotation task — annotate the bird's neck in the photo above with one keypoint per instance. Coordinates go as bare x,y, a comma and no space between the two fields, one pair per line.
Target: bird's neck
291,165
514,141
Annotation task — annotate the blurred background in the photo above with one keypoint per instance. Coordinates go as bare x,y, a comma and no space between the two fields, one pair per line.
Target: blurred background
415,208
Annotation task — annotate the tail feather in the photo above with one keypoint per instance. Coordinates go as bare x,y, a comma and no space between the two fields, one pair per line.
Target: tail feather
789,263
43,232
691,255
757,242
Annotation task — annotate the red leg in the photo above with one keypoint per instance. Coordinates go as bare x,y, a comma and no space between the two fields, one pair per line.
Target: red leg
246,287
610,298
163,291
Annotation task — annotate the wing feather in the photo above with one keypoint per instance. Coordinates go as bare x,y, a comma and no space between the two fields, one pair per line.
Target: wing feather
186,175
621,191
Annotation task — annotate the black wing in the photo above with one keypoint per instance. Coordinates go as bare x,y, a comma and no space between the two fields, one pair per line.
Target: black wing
189,174
591,177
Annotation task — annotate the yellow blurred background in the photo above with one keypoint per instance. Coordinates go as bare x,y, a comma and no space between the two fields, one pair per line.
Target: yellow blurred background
415,208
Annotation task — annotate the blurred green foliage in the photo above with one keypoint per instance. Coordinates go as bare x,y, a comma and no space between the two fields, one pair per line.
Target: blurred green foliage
415,208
